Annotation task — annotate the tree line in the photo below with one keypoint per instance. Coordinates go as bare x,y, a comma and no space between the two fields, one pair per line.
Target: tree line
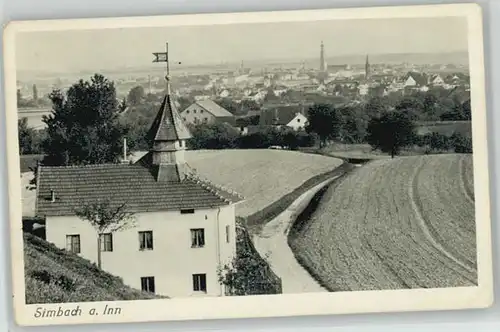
87,125
224,136
383,128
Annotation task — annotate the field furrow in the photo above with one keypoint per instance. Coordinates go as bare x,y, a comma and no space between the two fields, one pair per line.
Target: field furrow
467,178
426,218
391,224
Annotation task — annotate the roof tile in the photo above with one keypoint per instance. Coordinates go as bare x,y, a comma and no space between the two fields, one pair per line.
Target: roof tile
132,184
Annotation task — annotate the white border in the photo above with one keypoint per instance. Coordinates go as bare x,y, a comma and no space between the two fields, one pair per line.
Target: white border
271,305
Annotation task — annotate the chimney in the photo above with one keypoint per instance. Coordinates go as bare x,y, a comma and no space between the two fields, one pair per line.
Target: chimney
52,196
124,161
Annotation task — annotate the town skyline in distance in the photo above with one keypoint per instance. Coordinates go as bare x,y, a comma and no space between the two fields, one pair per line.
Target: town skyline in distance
459,58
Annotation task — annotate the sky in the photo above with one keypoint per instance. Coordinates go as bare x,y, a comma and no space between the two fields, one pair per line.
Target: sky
75,50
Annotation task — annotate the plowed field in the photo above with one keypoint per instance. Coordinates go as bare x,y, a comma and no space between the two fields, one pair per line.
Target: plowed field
391,224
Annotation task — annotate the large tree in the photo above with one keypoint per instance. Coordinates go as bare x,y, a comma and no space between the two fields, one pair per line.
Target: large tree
83,127
390,132
136,95
325,121
412,106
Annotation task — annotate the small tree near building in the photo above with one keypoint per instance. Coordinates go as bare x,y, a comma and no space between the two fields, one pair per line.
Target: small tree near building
391,132
105,217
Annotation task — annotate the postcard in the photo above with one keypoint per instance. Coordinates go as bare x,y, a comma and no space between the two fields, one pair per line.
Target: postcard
241,165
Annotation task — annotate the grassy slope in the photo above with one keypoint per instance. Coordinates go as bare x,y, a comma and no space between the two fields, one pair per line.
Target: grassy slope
56,276
402,223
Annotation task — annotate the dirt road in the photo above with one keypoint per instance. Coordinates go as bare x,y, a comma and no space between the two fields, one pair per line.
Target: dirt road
272,242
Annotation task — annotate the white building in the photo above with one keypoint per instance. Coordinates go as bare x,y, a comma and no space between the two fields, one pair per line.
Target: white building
184,227
363,89
298,122
288,116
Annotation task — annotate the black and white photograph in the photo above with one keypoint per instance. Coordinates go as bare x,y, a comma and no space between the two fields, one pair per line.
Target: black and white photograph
248,165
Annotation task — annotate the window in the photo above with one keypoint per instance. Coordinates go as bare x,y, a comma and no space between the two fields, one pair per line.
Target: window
194,111
148,284
200,283
183,119
298,120
73,243
227,233
187,211
187,112
201,111
205,120
197,238
106,242
146,240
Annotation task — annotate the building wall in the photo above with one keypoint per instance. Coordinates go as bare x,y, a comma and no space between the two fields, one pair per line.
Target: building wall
410,82
172,261
195,114
298,122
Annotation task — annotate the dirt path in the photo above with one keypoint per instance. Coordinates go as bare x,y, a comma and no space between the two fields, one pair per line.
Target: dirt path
272,242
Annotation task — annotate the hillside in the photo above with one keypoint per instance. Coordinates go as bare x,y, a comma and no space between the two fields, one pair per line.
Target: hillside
394,223
57,276
262,176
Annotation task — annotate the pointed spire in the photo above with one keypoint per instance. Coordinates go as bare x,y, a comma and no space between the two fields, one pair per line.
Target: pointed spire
168,124
367,67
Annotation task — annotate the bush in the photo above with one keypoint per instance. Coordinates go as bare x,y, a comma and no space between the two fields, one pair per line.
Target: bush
461,143
213,136
248,273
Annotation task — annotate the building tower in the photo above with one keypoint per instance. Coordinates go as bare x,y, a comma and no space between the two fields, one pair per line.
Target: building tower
322,66
167,138
367,68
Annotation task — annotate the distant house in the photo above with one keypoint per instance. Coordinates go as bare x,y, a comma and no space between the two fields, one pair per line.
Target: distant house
436,80
290,116
258,96
363,89
224,93
280,90
206,111
415,80
201,97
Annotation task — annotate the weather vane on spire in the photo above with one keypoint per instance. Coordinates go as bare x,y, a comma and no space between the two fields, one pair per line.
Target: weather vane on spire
163,57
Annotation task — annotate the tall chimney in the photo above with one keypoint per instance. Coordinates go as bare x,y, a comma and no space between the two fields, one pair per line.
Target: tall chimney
52,196
125,161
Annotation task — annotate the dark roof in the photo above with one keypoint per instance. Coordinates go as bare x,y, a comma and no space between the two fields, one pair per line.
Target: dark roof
168,124
420,78
214,108
281,115
132,184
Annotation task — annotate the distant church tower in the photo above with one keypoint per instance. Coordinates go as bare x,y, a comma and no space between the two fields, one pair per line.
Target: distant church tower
367,68
322,63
